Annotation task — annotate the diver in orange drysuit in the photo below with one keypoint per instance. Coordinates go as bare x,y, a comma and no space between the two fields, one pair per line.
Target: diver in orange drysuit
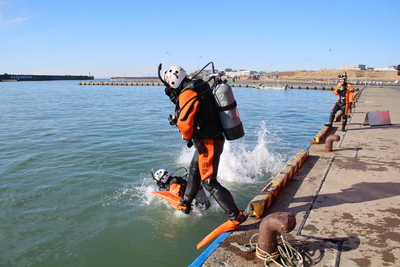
345,91
199,124
177,185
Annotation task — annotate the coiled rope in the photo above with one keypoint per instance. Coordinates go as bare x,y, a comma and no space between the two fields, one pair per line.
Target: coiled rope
289,256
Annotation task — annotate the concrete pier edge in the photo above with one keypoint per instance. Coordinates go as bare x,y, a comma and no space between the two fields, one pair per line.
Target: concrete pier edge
210,249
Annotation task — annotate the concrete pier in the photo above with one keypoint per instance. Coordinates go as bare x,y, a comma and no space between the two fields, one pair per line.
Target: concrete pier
346,201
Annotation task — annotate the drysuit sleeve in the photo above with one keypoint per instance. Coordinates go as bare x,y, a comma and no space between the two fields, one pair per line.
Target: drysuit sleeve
335,92
351,92
189,107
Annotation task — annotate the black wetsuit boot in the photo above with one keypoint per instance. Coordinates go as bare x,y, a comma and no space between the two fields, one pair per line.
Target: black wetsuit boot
331,116
344,123
225,200
192,188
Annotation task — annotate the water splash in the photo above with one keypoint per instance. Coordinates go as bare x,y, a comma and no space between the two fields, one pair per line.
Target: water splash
247,161
133,194
242,162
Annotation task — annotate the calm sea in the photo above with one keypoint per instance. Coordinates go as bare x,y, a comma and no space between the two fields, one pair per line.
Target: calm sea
75,167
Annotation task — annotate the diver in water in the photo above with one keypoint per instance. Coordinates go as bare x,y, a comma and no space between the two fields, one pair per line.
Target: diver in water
197,118
345,91
167,182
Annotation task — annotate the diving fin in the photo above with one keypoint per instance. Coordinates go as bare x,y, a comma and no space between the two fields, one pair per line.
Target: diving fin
225,227
171,198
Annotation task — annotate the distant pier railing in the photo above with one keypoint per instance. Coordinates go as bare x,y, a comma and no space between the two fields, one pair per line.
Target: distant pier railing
155,83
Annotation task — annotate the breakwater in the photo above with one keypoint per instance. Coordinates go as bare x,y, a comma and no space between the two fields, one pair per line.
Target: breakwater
122,83
23,77
150,82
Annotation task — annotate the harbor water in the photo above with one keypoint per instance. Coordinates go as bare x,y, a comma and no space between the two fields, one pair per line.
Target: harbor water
75,167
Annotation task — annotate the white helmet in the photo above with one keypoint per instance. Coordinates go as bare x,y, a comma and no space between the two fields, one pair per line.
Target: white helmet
174,76
162,176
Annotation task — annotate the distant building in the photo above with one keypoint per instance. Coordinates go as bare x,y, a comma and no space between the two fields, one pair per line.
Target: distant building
354,67
385,69
238,73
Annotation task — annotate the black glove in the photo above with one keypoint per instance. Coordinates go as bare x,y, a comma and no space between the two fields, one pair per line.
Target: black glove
171,94
189,143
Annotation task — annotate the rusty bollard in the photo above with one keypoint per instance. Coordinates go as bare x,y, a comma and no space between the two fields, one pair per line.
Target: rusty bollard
329,142
283,222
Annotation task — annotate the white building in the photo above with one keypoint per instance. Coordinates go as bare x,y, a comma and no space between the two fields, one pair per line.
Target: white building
385,69
237,73
354,67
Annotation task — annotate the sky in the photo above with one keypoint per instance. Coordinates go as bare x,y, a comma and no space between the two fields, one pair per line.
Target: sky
131,38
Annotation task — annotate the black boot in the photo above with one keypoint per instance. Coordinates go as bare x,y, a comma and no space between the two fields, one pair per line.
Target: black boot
237,217
188,206
331,118
344,123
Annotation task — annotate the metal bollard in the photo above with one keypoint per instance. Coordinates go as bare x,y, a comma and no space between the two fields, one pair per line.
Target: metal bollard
329,142
283,222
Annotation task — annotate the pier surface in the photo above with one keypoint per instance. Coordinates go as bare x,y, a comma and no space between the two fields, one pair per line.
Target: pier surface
346,202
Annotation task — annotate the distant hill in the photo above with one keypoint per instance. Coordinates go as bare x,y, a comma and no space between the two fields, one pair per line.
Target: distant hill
353,75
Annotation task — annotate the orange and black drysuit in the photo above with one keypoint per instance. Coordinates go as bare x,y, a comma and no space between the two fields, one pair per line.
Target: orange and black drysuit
345,92
199,123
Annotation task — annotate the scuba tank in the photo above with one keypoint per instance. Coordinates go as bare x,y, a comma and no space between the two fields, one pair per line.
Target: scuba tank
228,111
225,103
